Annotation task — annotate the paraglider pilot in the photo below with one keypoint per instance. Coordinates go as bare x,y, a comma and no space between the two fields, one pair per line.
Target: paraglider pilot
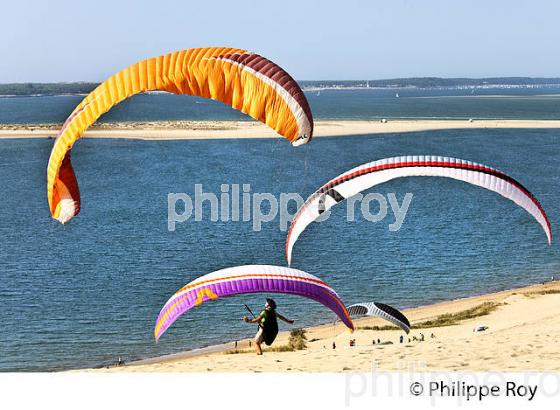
268,325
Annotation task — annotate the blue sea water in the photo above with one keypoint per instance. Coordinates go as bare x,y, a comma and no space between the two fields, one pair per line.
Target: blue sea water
482,103
83,294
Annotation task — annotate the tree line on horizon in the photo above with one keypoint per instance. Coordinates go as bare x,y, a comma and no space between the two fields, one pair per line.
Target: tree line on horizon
22,89
430,82
27,89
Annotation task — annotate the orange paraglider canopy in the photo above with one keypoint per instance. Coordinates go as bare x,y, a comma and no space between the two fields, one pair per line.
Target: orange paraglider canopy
244,80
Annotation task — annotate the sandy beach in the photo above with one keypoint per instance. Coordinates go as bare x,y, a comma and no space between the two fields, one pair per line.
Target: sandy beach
170,130
523,334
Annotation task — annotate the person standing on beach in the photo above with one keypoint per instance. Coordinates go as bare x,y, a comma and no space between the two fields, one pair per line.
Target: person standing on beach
268,325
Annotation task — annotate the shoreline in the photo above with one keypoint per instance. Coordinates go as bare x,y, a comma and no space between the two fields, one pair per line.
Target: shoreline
175,130
517,312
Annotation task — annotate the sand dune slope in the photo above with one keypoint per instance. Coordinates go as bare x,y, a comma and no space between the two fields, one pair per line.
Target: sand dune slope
523,334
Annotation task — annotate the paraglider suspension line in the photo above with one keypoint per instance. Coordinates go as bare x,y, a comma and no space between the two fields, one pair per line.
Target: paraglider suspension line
251,312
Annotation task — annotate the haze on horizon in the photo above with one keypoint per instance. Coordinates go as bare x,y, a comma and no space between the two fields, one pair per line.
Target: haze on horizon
67,41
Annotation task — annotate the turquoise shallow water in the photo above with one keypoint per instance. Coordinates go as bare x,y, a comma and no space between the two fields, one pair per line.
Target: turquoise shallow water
83,294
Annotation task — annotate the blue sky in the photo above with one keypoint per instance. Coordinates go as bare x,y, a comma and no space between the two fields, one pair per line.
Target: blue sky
89,40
